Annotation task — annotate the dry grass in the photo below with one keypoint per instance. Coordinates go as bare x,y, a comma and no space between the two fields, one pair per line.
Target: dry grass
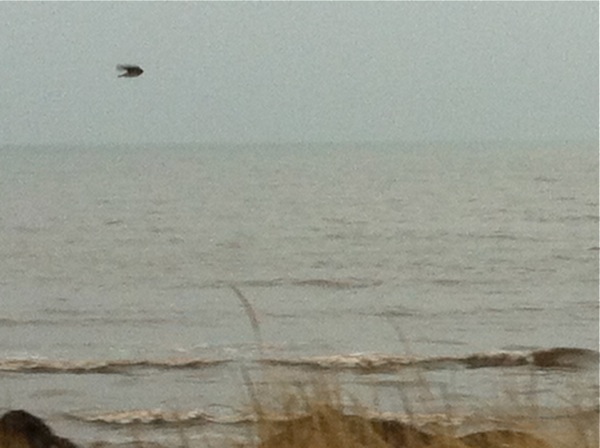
313,415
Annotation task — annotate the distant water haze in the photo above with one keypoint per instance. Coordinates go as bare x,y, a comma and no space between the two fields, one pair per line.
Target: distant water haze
473,263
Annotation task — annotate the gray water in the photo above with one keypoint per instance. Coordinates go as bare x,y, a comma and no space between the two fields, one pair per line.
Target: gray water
365,261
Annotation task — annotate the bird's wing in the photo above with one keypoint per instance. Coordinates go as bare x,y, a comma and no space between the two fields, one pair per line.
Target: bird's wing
127,67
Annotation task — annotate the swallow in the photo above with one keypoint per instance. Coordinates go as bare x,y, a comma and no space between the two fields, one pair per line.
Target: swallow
130,71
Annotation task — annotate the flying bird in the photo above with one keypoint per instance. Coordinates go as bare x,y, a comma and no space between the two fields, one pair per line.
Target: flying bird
130,71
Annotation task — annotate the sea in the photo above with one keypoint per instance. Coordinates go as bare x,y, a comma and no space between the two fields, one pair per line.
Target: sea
158,292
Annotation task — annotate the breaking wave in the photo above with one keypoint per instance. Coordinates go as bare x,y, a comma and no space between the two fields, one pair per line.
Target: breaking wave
173,417
105,367
159,417
196,417
559,357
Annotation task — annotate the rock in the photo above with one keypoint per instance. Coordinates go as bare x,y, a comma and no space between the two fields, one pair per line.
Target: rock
20,429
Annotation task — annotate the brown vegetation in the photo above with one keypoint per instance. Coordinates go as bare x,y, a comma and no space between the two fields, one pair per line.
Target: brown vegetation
327,427
503,438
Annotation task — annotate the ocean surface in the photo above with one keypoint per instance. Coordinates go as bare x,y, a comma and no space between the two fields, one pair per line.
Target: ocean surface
146,289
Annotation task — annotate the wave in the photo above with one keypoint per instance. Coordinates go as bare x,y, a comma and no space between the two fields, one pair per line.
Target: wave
12,322
328,283
195,417
82,320
558,357
349,283
162,417
103,367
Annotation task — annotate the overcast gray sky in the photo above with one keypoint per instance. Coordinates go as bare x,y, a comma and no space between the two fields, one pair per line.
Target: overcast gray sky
239,72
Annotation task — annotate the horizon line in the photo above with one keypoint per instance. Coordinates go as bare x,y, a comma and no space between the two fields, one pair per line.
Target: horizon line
330,142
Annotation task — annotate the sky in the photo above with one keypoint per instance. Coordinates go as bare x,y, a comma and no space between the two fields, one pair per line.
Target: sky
298,71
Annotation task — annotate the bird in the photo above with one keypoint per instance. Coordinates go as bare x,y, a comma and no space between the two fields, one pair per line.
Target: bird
130,71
